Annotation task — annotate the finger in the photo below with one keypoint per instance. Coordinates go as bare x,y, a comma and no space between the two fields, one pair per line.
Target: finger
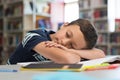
51,44
66,23
47,43
62,47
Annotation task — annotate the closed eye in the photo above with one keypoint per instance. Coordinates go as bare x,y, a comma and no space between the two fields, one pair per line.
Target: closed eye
71,46
68,35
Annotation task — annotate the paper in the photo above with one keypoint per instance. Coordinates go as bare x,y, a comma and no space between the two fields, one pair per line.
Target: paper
100,60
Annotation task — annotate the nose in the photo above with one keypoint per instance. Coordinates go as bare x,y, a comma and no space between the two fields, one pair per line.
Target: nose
65,42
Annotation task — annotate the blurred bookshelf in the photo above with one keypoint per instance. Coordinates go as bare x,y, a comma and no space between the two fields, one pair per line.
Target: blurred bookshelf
96,12
115,38
16,18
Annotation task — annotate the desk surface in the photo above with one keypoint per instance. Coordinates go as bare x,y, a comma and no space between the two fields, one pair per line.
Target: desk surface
28,75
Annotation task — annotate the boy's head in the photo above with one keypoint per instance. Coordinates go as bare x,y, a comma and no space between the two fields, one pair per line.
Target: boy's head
79,34
88,31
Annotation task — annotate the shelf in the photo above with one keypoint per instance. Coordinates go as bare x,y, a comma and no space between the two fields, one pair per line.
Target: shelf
102,31
101,19
39,14
85,9
14,16
115,32
101,7
102,44
14,31
115,44
14,2
16,19
96,11
43,15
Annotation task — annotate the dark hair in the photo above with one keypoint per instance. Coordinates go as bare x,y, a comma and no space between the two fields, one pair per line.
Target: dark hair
88,31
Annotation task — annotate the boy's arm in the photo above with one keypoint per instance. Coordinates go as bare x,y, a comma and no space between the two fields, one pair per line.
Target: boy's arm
87,54
90,54
56,54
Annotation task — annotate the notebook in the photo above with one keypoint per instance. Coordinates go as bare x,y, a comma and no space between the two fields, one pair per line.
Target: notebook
51,66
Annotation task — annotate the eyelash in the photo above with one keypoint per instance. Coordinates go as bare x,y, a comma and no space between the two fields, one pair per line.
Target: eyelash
67,35
71,46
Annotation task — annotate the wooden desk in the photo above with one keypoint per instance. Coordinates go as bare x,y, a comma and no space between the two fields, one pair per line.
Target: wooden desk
28,75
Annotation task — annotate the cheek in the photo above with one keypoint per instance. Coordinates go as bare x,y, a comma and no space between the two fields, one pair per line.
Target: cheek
61,35
82,43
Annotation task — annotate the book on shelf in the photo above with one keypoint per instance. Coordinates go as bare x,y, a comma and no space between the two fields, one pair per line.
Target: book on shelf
14,40
84,4
99,3
115,38
85,14
1,39
43,24
14,10
1,59
117,24
101,26
100,13
1,11
0,1
40,7
115,50
102,38
32,5
51,66
1,25
14,25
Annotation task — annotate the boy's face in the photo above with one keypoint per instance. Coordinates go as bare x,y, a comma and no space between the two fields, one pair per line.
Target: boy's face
70,37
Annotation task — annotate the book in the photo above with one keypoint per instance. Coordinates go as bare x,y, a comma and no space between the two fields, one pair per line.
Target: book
81,66
108,62
49,66
108,59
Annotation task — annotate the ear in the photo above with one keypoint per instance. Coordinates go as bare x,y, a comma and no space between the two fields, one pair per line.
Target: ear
64,25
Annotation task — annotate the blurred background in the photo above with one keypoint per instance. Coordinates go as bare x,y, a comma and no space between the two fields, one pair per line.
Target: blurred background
19,16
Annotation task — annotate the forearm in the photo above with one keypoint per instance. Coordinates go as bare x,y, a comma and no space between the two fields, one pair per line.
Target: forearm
55,54
87,54
90,54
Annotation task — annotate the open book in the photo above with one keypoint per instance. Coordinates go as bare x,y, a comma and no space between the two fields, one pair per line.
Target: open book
107,59
109,62
48,65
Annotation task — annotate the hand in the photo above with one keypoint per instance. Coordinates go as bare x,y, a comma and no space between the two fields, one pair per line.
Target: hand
53,44
65,24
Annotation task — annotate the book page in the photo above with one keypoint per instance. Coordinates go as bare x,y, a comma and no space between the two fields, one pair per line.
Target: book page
100,60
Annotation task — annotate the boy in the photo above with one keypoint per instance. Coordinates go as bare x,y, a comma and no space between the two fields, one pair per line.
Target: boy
74,41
